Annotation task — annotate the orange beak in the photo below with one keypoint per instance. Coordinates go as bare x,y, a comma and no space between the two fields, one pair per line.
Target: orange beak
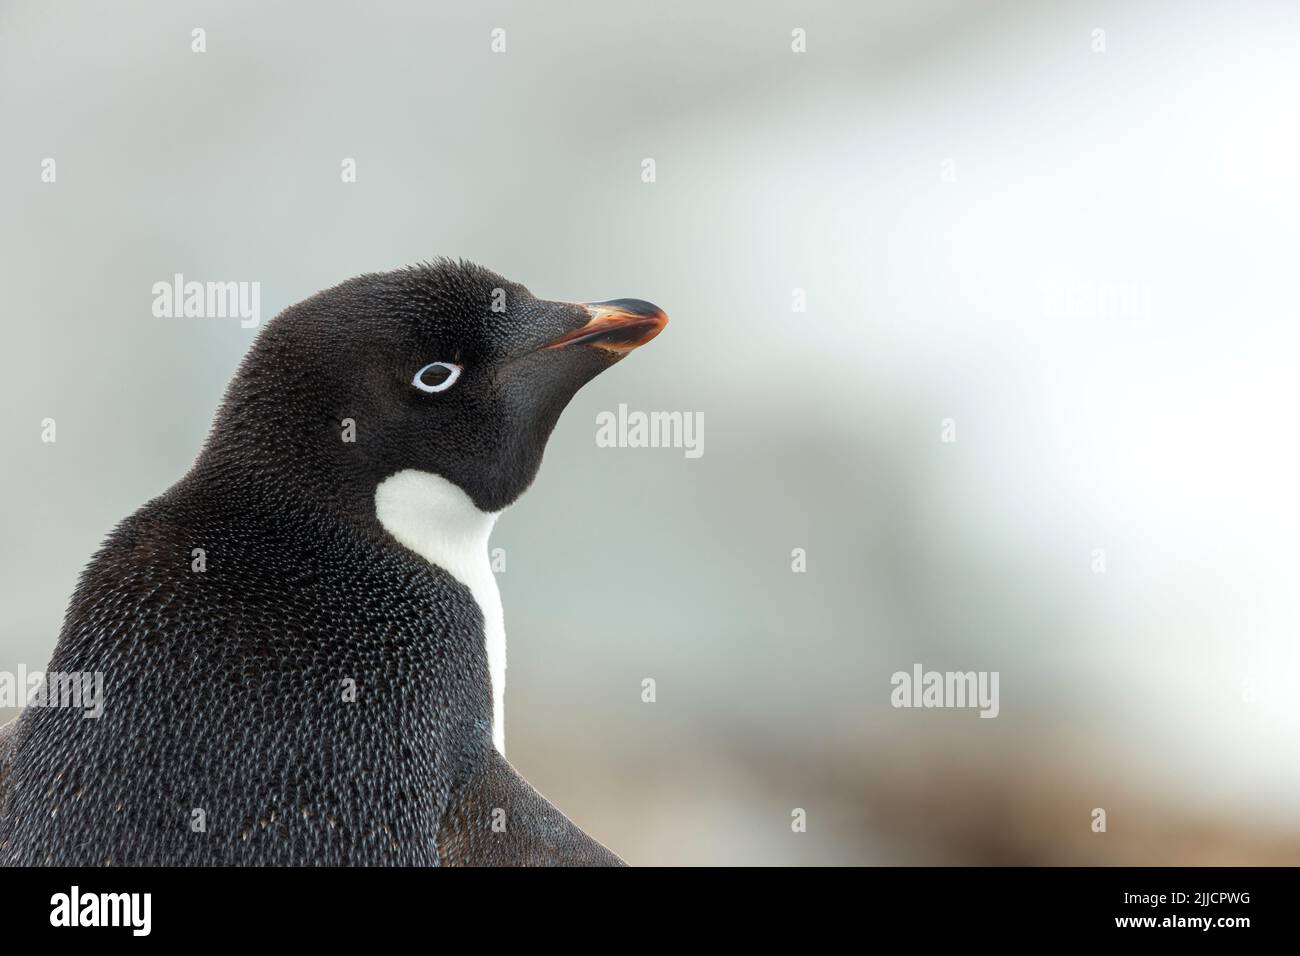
619,325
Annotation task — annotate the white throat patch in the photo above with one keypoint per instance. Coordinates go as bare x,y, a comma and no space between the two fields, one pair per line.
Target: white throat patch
440,523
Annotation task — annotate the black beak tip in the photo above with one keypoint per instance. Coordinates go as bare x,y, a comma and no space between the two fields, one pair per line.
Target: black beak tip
637,307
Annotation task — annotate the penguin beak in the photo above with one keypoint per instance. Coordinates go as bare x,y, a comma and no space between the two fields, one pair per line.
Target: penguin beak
618,325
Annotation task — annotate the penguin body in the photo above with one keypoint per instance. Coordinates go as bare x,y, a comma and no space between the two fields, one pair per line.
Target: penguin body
439,522
320,687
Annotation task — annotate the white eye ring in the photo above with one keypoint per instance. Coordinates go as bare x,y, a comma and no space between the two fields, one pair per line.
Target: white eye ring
442,386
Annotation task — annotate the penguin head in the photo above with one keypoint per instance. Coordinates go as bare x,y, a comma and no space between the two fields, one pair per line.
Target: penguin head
445,368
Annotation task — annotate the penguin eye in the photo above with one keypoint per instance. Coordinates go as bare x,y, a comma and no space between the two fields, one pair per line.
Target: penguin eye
437,377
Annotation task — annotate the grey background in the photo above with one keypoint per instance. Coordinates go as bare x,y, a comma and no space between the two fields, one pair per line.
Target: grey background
1156,425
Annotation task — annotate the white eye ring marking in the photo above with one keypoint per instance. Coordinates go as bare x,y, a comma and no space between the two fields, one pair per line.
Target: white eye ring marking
442,386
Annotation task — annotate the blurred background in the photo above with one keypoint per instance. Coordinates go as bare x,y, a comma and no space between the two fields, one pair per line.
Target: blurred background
1063,234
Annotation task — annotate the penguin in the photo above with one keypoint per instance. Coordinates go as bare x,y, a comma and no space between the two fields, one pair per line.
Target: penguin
301,642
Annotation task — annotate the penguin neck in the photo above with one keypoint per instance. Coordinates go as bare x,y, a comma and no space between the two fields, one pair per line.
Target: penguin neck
437,520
